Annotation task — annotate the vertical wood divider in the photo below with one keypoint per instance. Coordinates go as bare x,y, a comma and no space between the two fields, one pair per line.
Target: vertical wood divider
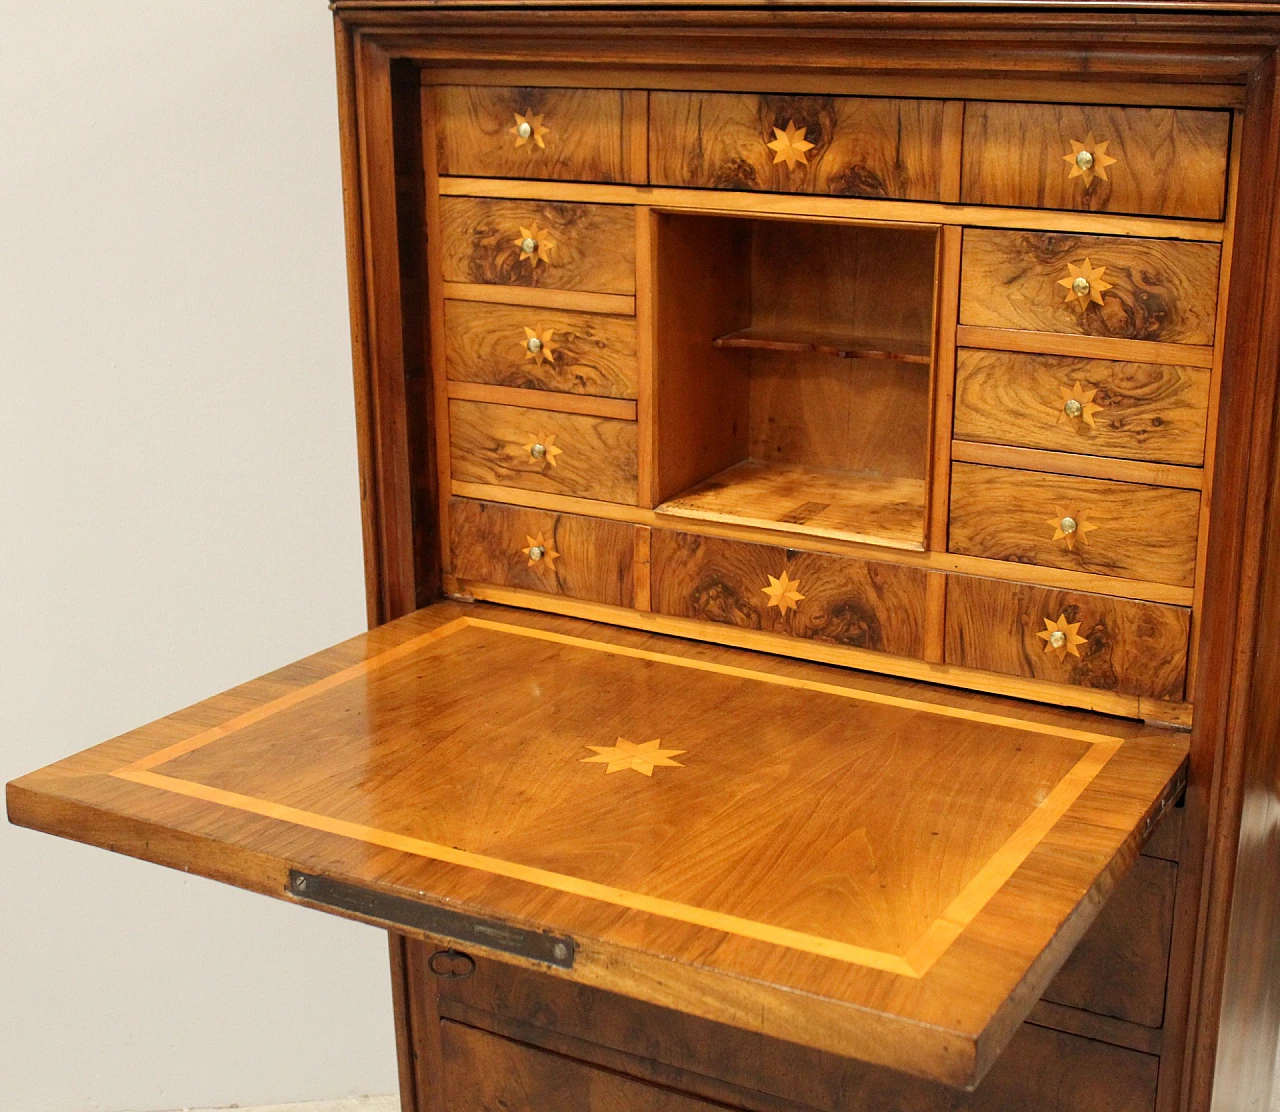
952,151
641,576
635,136
646,429
935,617
946,311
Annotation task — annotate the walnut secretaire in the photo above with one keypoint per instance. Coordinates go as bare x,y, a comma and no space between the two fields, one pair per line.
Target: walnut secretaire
819,480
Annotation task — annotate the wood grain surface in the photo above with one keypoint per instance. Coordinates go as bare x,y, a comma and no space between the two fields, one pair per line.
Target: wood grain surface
861,147
1136,648
1168,162
586,557
584,247
1125,529
1140,411
1159,289
441,758
582,353
575,134
594,457
847,602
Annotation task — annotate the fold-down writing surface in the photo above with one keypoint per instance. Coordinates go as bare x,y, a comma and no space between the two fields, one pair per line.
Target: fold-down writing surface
758,828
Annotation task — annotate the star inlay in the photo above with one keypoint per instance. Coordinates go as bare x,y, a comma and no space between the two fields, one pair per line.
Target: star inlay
549,555
533,128
545,348
1092,275
1098,167
1084,399
789,146
1079,533
549,449
542,243
783,592
626,754
1069,641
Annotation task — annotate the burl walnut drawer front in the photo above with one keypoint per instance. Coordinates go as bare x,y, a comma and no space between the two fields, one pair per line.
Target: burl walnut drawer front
559,554
1096,158
1112,644
848,146
540,349
801,594
1121,288
535,449
1099,407
500,132
1064,521
539,243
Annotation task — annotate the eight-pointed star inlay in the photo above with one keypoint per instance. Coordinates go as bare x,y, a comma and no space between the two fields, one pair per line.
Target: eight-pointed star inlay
1083,399
1096,165
549,449
783,592
545,348
1061,637
789,146
1094,288
1065,517
535,244
545,550
533,129
643,758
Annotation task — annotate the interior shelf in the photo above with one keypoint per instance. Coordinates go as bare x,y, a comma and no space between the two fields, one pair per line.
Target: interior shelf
845,347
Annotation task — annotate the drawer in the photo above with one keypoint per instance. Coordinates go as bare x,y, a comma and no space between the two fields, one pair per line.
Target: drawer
1064,521
534,449
1133,289
847,146
1096,158
1110,644
779,590
1119,968
559,554
574,353
501,132
1099,407
539,243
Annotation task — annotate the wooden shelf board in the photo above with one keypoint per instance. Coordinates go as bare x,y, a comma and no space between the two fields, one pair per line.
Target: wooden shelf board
821,343
804,500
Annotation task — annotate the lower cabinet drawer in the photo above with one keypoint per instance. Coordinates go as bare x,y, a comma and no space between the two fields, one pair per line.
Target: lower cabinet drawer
803,594
1111,644
536,449
561,554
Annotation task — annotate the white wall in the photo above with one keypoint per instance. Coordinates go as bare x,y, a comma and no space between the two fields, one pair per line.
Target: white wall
178,513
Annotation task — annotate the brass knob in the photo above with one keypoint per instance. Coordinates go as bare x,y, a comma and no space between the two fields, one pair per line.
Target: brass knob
536,552
1080,287
1084,159
524,130
533,344
1057,639
538,451
529,245
1068,525
1072,408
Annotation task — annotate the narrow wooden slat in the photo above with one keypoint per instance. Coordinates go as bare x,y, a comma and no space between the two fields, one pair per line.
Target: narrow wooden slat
1067,463
952,150
540,298
641,568
935,618
617,408
946,310
1088,347
645,413
635,136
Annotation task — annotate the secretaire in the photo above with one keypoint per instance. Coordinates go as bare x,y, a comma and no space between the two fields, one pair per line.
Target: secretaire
819,474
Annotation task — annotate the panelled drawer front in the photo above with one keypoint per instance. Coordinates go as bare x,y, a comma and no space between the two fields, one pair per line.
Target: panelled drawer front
560,554
803,594
535,449
1120,967
1134,289
1098,407
1111,644
1096,158
499,132
539,243
1064,521
847,146
540,349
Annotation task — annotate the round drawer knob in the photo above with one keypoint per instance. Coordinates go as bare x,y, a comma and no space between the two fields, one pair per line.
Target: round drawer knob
524,129
538,451
1084,160
1057,639
1068,525
533,344
536,552
1073,408
529,246
1079,286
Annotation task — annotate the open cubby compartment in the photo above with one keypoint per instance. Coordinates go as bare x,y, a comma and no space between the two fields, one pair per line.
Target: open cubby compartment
792,374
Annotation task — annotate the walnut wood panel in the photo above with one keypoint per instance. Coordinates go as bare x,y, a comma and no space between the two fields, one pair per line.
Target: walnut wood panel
448,758
561,554
1120,966
802,594
587,457
1136,648
1139,289
578,247
497,131
1158,161
577,353
1125,529
482,1073
1141,411
853,147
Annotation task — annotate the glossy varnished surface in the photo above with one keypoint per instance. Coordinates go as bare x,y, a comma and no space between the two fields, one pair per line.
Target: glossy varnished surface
774,877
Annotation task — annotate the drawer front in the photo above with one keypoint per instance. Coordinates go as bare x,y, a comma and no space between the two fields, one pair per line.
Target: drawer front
559,554
1096,158
540,349
802,594
1133,289
499,132
1098,407
1110,644
847,146
539,243
1064,521
1119,968
534,449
